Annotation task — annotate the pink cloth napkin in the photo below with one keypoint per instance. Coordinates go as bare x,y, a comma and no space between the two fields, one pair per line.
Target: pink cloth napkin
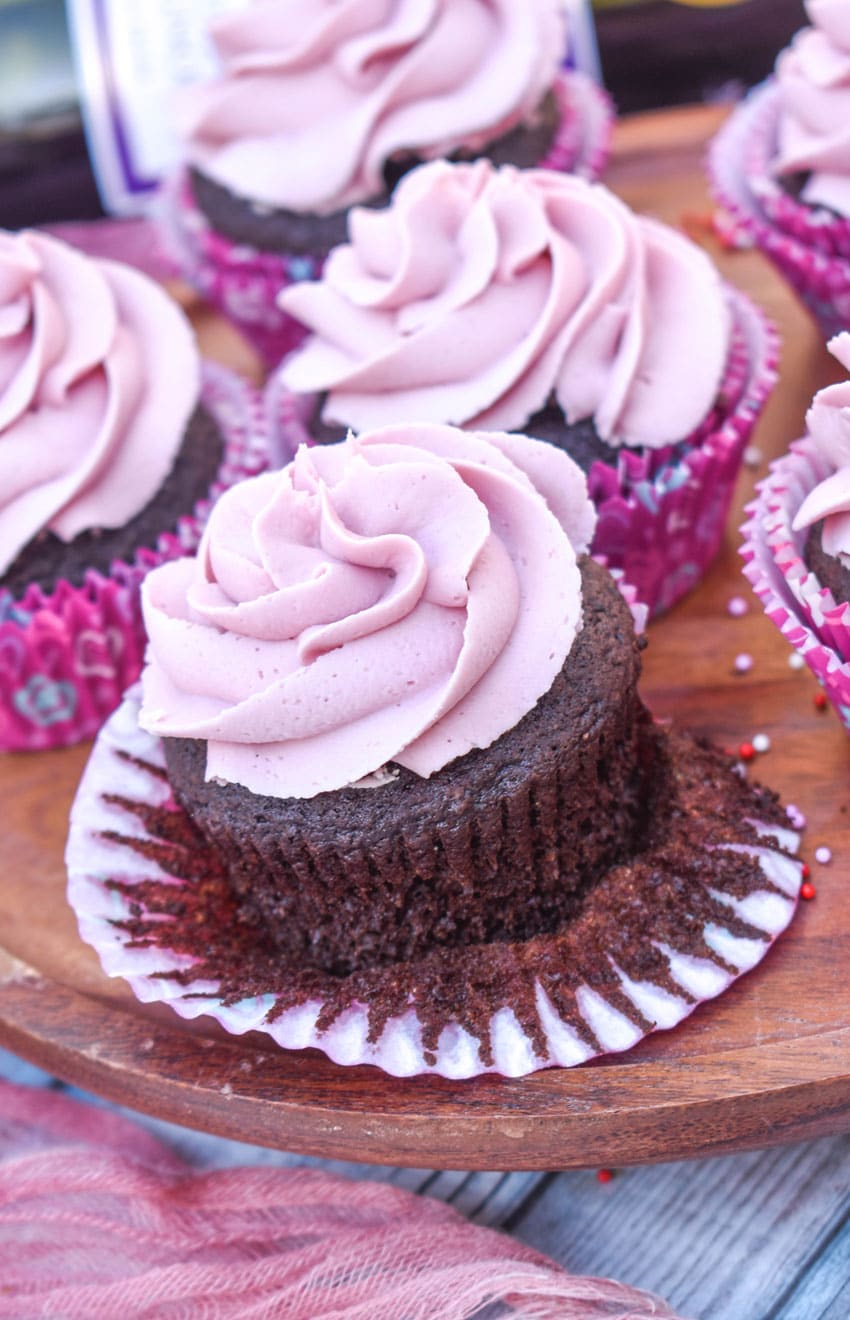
99,1220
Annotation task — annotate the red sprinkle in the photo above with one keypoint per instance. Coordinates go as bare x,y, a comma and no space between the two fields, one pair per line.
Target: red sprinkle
806,870
821,701
746,751
807,890
604,1175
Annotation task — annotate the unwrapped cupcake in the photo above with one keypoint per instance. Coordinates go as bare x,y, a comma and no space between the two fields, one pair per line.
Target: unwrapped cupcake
537,302
391,790
781,164
113,439
797,539
318,107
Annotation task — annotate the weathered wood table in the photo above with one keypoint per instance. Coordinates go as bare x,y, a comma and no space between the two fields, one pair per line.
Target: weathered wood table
748,1235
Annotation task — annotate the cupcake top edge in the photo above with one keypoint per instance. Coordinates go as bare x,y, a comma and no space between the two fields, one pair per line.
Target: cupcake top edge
402,596
99,374
312,102
813,77
479,294
828,426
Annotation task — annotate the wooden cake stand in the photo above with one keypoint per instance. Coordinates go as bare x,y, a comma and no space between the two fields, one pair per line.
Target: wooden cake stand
768,1062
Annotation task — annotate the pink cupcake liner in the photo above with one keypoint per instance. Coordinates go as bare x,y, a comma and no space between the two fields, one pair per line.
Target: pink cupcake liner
805,612
119,856
809,245
66,657
661,513
243,282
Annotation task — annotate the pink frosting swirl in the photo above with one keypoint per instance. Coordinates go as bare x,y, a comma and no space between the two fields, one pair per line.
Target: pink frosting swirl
314,99
480,293
813,75
403,596
98,376
828,424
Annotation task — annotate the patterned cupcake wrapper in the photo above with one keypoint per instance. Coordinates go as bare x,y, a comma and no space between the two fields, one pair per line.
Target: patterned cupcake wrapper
805,612
809,246
661,513
67,657
688,942
243,283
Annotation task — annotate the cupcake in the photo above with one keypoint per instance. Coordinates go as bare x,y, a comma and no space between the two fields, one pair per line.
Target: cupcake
391,789
797,539
781,164
537,302
315,111
113,437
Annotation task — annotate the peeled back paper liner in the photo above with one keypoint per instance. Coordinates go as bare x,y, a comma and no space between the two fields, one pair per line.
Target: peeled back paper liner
66,657
809,245
676,928
243,282
661,515
804,610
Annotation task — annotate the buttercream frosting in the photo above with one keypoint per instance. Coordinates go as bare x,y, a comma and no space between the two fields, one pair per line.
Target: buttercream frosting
813,75
99,374
313,100
480,293
402,596
828,425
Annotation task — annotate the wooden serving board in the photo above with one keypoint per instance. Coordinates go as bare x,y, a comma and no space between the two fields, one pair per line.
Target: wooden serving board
766,1063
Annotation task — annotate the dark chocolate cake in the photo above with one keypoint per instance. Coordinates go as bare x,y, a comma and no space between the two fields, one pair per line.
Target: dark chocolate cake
46,559
498,846
828,569
281,230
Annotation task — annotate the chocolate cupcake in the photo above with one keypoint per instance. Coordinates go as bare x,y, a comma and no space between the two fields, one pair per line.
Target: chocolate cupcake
312,113
797,539
781,164
407,804
112,440
537,302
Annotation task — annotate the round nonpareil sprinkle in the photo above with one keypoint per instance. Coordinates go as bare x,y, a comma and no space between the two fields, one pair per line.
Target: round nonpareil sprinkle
796,661
746,751
737,607
821,700
761,742
604,1175
823,855
743,663
753,457
796,817
807,889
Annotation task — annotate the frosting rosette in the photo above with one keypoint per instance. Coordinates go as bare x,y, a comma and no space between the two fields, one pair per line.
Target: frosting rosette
99,374
828,425
313,100
481,294
813,76
402,596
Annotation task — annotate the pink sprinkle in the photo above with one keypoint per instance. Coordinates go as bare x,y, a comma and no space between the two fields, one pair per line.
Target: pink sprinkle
737,607
753,456
743,663
796,817
823,855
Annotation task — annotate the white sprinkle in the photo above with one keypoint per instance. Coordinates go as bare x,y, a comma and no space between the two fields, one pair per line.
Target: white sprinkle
823,855
761,742
796,817
796,661
737,607
743,663
753,456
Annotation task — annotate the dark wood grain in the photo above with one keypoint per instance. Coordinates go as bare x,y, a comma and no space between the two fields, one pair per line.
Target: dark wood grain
768,1062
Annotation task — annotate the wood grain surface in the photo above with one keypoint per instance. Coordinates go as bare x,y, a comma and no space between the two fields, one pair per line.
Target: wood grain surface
768,1062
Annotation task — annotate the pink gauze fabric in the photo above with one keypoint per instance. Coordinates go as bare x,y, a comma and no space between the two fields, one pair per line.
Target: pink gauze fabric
98,1220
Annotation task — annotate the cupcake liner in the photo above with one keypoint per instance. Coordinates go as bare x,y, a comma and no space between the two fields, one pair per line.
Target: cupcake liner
243,282
67,656
808,244
142,884
805,612
661,513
